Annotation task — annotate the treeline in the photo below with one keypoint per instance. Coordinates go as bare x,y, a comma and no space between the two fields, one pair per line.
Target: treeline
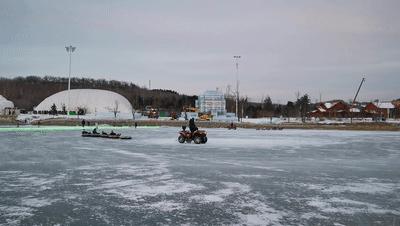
28,92
296,108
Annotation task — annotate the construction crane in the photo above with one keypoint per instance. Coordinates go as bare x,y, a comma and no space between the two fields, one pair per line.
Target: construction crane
354,100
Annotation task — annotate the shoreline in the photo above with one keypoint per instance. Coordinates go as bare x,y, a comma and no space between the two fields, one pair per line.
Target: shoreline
365,126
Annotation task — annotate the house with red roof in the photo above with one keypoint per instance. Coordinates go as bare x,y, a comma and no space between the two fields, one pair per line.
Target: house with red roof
331,109
380,109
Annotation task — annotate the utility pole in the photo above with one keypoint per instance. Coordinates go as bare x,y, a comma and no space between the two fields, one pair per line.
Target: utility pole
354,100
69,49
236,58
242,112
228,91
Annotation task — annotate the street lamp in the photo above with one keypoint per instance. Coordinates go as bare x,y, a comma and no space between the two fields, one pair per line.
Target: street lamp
69,49
236,58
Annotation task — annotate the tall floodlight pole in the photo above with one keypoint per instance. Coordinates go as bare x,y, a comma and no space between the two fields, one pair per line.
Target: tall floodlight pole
236,58
69,49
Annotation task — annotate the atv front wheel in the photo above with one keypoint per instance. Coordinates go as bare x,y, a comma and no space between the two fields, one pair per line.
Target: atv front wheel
181,139
197,140
205,140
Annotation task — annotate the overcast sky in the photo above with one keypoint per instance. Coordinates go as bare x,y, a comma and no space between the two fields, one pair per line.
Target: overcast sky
286,46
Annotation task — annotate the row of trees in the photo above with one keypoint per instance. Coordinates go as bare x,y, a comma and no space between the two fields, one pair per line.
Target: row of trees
27,92
63,111
266,108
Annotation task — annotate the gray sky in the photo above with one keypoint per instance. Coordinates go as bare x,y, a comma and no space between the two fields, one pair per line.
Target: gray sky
286,46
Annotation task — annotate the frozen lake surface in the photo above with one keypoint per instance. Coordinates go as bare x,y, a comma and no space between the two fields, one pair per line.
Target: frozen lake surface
289,177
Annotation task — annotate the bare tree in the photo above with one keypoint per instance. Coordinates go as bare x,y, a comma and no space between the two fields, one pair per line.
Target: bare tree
115,108
133,113
64,109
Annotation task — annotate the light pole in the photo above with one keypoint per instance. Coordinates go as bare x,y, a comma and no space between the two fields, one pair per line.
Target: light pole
236,58
69,49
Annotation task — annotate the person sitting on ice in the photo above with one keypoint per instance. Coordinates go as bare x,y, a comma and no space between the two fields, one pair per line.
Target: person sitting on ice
95,131
192,126
112,132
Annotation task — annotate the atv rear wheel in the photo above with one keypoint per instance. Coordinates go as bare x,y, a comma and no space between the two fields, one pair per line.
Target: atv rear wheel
181,139
198,140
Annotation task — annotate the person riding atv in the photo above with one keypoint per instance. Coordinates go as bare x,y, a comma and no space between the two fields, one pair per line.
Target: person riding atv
196,135
232,126
192,126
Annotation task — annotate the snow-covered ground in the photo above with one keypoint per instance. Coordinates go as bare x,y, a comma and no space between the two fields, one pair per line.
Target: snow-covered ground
276,120
243,177
268,120
107,116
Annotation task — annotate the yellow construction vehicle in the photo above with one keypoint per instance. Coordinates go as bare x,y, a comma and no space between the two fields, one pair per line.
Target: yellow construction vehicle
205,116
190,109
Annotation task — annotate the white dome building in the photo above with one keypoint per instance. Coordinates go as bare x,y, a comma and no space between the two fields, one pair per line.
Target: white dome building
93,101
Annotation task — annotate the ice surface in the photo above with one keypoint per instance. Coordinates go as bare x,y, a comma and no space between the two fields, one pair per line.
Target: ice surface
369,187
36,202
347,206
242,177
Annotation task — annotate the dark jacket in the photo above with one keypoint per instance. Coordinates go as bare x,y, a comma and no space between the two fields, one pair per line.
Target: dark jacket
192,126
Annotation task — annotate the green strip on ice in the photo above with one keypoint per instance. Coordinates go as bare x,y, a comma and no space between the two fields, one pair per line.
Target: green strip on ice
65,128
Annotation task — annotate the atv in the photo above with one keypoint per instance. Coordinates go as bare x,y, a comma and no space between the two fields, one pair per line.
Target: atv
232,127
198,136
